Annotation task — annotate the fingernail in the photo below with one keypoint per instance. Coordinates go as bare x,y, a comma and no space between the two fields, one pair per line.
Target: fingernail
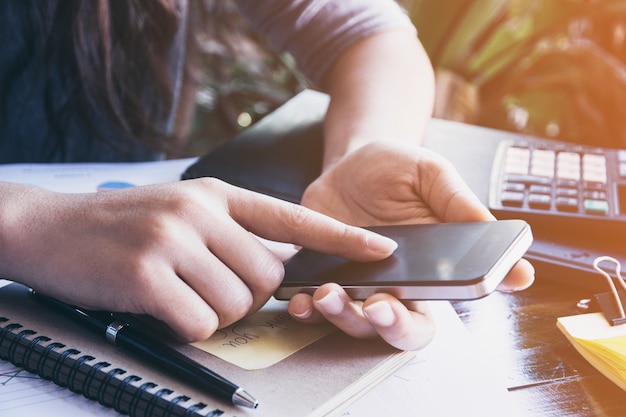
515,287
331,303
304,315
380,314
379,243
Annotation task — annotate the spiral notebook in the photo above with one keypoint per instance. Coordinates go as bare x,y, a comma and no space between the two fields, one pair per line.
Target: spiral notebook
600,337
320,379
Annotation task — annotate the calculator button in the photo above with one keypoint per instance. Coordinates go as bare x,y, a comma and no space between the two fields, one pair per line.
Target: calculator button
566,192
539,201
560,182
528,179
515,186
516,168
569,158
512,199
594,167
515,152
568,165
591,159
568,204
595,176
542,171
540,189
543,155
517,161
600,207
542,163
568,173
594,195
596,186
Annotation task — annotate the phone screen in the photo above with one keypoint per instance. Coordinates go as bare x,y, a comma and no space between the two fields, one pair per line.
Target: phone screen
434,261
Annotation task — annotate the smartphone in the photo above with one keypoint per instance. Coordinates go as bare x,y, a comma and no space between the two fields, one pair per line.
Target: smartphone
445,261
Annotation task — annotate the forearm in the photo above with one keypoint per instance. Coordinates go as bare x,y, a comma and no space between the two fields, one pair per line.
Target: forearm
381,88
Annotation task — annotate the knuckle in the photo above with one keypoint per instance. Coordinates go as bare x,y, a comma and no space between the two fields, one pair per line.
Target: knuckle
348,233
238,307
160,229
273,275
197,331
193,193
210,183
298,216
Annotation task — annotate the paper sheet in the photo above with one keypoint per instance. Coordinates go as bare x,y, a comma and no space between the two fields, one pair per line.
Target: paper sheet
450,377
86,178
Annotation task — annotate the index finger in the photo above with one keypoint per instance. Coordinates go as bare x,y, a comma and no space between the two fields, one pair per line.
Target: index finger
281,221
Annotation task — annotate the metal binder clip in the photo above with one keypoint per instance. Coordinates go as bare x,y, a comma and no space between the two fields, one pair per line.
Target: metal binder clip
612,303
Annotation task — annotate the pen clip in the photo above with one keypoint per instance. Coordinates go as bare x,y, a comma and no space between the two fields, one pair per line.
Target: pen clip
112,330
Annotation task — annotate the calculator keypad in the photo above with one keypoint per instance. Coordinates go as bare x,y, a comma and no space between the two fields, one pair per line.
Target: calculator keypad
555,179
573,196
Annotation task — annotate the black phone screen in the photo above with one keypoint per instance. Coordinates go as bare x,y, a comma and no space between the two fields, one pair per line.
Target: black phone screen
439,255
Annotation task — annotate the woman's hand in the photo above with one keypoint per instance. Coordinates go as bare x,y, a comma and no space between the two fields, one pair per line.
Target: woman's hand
183,252
391,183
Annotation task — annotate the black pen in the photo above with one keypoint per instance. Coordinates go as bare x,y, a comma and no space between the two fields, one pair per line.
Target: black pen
121,334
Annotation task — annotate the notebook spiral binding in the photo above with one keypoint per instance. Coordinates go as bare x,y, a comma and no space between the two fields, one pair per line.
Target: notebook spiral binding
66,367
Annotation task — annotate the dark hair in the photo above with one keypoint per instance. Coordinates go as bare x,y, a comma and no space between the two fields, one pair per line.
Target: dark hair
109,55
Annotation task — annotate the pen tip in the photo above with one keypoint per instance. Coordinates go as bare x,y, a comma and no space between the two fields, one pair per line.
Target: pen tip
241,397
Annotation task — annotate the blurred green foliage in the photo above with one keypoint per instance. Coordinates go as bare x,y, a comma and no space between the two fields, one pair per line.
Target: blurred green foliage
552,68
241,79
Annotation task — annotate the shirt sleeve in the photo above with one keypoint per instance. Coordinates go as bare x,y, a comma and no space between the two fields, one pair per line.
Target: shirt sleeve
316,32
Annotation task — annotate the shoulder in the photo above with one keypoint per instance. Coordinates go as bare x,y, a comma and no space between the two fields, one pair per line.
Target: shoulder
297,10
317,31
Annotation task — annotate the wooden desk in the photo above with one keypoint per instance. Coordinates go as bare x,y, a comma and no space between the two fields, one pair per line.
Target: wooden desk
547,376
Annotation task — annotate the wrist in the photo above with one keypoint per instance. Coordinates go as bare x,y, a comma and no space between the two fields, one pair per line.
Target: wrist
334,153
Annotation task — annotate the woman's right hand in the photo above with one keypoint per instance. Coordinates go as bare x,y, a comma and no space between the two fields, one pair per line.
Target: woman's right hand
181,252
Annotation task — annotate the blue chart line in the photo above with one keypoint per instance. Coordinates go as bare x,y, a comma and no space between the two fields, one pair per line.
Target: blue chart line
23,394
15,374
20,388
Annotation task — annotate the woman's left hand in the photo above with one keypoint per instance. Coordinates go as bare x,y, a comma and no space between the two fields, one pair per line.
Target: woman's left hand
381,184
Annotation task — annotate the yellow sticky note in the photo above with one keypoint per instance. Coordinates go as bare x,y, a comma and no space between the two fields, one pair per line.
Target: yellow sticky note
602,345
609,350
264,338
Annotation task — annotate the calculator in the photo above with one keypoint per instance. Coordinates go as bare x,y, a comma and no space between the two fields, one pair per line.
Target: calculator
560,188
